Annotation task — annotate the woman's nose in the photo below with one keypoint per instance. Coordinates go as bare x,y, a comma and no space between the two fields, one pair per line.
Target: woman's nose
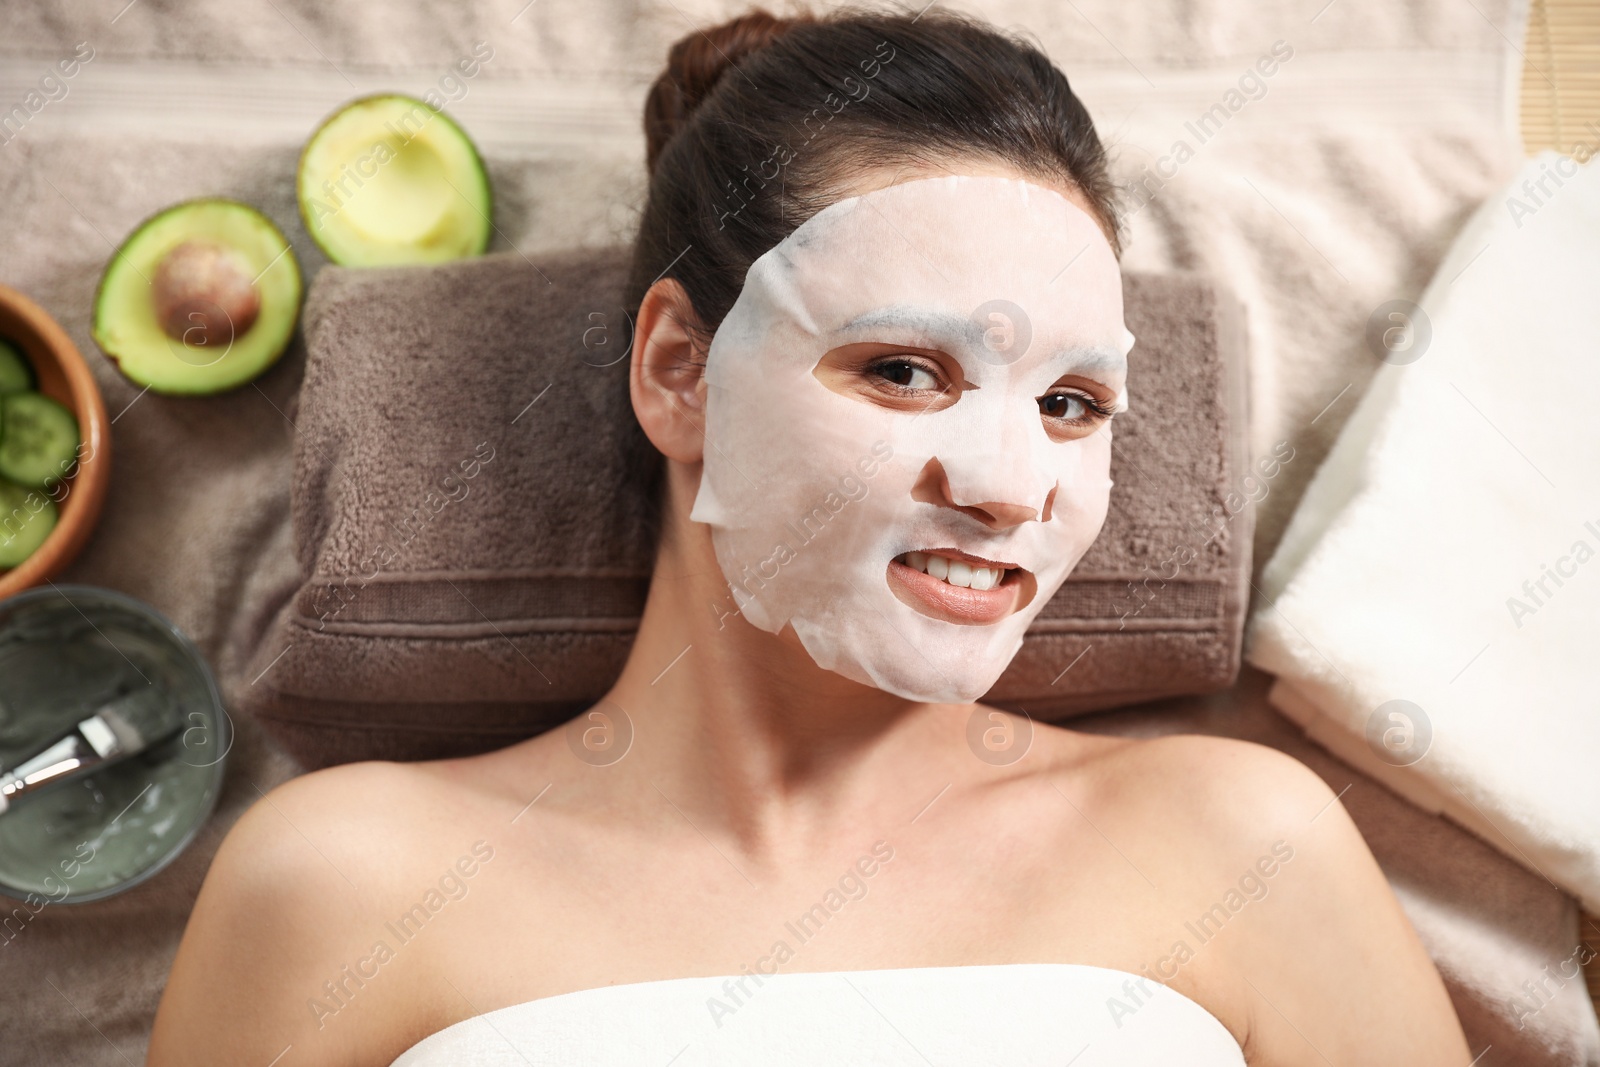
985,489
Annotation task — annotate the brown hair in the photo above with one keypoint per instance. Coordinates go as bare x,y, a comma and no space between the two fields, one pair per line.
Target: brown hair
756,124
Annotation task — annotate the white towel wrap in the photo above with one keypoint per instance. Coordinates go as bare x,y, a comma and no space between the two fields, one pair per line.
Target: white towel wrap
1020,1015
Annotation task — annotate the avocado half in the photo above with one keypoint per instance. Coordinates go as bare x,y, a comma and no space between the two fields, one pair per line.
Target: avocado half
200,298
388,180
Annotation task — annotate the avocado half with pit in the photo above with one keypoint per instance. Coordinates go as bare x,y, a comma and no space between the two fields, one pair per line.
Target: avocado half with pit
389,180
200,298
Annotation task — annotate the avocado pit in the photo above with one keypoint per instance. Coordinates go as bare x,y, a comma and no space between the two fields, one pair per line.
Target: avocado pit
204,294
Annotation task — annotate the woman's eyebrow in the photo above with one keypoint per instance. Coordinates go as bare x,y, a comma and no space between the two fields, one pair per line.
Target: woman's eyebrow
930,322
966,332
1094,359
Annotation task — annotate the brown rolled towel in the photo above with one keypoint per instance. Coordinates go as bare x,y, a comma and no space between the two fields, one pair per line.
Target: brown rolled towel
473,547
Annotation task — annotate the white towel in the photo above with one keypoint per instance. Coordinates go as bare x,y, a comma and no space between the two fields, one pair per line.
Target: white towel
1018,1014
1447,553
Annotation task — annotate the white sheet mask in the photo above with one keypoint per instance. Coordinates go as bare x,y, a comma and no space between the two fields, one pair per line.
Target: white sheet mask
812,492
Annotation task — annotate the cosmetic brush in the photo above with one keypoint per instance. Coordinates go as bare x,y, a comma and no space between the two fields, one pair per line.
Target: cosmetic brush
120,728
40,681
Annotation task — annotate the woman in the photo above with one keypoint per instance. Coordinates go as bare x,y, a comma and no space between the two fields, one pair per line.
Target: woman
879,347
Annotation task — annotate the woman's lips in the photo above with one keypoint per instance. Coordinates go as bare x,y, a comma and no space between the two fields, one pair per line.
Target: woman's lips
938,599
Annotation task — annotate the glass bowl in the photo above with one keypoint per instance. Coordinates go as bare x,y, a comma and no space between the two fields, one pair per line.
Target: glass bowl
64,651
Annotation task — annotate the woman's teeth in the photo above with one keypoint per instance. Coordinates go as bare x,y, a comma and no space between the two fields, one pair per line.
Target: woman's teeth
955,571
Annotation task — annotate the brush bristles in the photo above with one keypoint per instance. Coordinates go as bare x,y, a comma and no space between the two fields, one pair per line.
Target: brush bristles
139,719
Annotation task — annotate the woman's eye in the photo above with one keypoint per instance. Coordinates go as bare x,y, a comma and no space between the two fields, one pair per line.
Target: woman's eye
1063,406
906,374
1072,407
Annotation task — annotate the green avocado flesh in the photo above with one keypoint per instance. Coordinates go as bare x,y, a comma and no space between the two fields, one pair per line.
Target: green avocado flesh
26,519
387,180
152,319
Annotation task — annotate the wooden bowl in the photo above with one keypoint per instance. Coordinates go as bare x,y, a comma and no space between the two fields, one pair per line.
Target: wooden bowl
63,376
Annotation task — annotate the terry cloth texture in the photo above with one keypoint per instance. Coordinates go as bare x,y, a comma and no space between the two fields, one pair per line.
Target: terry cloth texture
1437,588
473,543
1392,121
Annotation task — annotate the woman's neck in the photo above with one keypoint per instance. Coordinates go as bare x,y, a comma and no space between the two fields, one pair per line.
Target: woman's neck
742,730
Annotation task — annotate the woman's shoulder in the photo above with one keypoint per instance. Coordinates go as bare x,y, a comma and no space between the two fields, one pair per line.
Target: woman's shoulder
348,818
1220,781
375,789
1224,775
1220,807
295,923
1256,862
365,802
1196,814
374,829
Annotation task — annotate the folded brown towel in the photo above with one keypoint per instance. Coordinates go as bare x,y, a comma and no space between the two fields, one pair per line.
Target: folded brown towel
472,542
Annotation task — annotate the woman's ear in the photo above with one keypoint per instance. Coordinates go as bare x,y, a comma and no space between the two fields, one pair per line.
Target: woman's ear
666,377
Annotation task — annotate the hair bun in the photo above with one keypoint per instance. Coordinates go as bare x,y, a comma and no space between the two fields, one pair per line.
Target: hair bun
694,66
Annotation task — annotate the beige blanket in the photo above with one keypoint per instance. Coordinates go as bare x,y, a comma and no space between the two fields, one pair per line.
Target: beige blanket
1334,191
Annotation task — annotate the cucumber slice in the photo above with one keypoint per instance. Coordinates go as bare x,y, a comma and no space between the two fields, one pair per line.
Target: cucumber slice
38,440
15,373
26,519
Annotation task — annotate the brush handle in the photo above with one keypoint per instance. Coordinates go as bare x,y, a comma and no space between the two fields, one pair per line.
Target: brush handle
88,745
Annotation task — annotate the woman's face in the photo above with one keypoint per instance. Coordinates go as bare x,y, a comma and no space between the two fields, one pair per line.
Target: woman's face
907,427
